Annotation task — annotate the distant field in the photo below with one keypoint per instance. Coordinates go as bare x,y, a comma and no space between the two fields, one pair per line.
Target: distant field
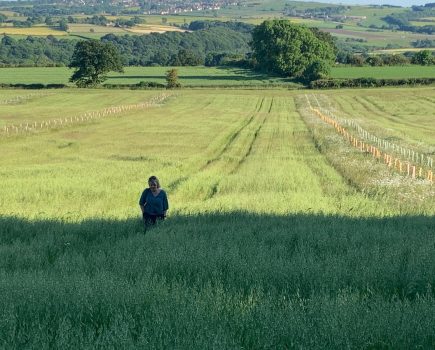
380,38
384,72
8,13
202,76
189,76
410,49
95,31
373,14
38,31
147,29
422,23
86,28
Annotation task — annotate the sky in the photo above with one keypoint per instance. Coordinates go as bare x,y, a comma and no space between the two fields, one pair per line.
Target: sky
407,3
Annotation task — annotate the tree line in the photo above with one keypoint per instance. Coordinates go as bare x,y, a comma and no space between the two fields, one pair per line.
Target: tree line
210,43
423,58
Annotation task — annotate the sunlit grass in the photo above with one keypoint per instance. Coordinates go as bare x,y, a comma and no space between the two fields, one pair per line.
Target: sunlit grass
201,147
38,31
399,72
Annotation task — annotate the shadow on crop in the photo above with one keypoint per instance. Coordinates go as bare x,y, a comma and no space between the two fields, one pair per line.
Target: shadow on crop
295,253
198,77
103,283
232,75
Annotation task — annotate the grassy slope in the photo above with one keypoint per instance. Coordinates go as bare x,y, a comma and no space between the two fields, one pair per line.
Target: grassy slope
266,246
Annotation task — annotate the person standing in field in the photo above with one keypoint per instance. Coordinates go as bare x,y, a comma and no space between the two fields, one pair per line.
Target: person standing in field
153,202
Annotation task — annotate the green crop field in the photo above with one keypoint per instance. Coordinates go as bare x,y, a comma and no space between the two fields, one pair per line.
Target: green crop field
423,23
374,14
203,76
397,72
189,76
280,234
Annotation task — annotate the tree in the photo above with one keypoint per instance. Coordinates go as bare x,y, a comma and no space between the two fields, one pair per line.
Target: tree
325,37
92,60
288,49
172,79
63,25
187,58
49,21
317,70
424,58
375,61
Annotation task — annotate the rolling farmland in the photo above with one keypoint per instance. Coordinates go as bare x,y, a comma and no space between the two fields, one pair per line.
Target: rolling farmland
281,234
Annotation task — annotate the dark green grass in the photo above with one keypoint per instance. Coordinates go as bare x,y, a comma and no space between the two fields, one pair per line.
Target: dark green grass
205,76
188,76
412,71
235,281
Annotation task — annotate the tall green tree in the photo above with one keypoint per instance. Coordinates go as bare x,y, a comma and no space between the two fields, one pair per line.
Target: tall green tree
93,60
63,25
424,58
290,50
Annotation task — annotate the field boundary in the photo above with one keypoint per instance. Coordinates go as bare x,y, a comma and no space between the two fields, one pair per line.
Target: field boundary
31,128
393,161
411,155
337,83
22,98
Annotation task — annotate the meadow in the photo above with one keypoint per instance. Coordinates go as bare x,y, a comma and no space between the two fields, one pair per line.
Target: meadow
188,76
386,72
201,76
95,32
274,239
37,31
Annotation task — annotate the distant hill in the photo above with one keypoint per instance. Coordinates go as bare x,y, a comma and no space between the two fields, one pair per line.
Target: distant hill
406,3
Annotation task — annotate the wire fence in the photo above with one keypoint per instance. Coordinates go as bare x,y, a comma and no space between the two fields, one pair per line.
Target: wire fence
404,152
28,128
372,145
22,98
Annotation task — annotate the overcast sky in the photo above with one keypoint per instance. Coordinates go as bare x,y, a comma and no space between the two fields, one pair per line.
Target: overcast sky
408,3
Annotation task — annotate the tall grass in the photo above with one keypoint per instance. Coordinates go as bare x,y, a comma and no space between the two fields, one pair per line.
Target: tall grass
266,245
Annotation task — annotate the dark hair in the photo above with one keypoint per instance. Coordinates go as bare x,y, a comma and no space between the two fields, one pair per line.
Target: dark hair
154,179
